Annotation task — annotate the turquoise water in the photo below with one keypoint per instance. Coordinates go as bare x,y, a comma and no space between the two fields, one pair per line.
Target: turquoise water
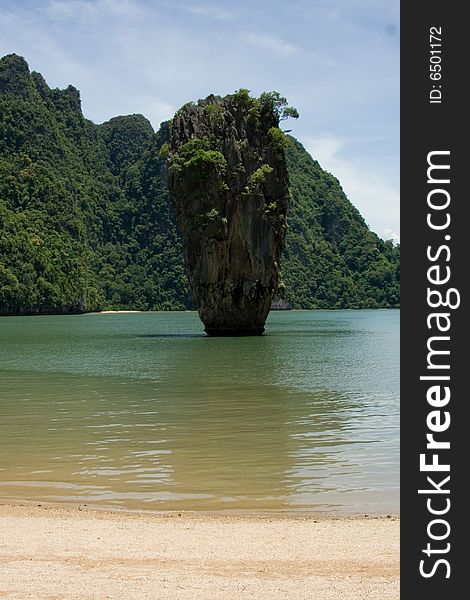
142,410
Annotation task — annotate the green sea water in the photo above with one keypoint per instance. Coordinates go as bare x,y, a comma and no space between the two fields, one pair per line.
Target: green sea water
144,411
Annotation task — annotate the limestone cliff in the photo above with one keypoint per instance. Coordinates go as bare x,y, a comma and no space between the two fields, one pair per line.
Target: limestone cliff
229,184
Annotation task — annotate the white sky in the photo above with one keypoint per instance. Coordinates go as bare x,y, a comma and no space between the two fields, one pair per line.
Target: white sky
337,62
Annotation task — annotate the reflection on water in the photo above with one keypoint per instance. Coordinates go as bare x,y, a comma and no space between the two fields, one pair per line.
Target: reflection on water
142,411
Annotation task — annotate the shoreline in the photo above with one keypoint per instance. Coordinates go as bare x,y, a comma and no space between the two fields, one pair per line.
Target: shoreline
261,513
77,551
117,312
182,310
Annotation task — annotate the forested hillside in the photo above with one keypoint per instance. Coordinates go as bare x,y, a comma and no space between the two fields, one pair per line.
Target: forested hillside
86,222
332,259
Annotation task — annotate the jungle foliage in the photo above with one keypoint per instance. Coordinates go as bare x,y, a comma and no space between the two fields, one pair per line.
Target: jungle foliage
86,222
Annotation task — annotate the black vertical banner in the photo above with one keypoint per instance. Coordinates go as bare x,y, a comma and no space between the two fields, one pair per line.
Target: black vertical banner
435,166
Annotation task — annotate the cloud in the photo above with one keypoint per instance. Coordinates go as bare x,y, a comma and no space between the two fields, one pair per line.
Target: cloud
376,197
335,60
83,10
390,234
213,12
270,43
156,111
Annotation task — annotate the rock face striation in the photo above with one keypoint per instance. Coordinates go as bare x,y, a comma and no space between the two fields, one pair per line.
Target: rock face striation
228,180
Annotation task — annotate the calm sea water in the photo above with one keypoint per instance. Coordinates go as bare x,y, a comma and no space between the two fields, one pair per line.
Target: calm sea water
144,411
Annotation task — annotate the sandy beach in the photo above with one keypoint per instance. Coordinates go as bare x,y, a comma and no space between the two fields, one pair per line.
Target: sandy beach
65,553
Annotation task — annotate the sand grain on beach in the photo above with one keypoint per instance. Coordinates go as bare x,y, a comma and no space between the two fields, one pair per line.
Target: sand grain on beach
66,553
